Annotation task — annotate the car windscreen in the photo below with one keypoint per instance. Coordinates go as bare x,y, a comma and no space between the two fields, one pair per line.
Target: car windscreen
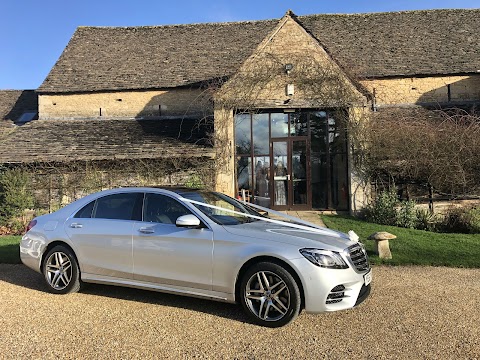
222,207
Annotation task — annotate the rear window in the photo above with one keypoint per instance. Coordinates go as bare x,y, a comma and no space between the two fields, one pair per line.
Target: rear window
86,211
126,206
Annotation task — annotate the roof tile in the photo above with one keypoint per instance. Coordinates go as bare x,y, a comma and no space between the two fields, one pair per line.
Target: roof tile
428,42
70,140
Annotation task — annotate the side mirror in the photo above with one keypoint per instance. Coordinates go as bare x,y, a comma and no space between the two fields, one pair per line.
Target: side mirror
188,221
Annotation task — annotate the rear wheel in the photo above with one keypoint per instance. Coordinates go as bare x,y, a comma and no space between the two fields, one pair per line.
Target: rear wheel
61,271
270,295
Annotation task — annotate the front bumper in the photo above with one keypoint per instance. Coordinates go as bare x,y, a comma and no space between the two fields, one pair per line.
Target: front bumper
364,293
331,289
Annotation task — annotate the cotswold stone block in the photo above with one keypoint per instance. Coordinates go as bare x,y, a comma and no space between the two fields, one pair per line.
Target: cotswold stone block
122,104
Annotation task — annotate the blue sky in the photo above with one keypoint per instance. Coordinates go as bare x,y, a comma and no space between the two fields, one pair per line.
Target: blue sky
33,33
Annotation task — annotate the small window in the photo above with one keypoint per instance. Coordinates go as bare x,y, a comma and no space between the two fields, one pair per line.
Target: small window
86,211
27,116
162,209
119,206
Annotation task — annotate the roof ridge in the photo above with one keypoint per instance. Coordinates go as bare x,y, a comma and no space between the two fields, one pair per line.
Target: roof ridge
177,25
389,12
210,23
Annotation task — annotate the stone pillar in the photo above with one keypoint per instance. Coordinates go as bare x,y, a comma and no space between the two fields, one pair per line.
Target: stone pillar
225,151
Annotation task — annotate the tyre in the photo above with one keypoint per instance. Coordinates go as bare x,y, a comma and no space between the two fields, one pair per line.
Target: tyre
61,271
270,295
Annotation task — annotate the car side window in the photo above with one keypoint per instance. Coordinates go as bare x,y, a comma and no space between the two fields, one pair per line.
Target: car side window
125,206
86,211
162,209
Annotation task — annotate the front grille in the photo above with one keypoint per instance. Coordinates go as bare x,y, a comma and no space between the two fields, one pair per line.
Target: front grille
359,258
336,294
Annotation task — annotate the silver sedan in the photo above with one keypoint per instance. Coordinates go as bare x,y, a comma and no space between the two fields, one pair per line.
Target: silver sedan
198,243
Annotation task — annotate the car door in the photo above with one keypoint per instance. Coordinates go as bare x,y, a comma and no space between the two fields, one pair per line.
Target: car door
166,254
102,234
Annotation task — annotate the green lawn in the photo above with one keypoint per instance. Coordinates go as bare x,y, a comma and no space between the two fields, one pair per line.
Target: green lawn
414,247
9,252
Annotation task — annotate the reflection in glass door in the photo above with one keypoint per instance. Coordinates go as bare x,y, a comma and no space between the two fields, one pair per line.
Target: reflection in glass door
290,185
299,172
280,173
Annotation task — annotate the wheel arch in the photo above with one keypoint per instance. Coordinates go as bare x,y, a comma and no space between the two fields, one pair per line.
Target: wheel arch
50,246
272,259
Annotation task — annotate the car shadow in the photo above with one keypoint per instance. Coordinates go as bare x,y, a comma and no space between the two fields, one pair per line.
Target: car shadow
20,275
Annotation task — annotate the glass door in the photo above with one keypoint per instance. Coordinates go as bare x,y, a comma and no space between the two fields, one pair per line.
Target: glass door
290,174
281,174
299,172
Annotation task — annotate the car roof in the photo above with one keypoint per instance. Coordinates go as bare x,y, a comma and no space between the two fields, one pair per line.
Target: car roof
178,190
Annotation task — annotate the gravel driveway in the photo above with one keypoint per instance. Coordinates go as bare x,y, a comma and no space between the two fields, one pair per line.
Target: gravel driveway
413,312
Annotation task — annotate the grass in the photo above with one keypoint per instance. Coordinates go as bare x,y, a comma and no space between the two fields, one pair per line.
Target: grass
414,247
9,251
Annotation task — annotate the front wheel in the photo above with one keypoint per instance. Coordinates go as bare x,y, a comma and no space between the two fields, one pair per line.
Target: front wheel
61,271
270,295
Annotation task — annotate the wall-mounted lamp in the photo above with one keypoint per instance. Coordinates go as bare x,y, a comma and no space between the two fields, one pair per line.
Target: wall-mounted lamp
288,68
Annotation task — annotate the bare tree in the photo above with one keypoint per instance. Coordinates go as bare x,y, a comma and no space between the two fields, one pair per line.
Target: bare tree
436,147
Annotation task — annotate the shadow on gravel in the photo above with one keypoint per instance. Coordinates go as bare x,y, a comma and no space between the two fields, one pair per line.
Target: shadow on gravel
20,275
225,310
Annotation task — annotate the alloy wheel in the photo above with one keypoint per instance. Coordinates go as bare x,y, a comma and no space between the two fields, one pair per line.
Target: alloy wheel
58,270
267,296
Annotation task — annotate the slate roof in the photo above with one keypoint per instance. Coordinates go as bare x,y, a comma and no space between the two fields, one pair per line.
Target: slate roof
69,140
407,43
99,58
13,103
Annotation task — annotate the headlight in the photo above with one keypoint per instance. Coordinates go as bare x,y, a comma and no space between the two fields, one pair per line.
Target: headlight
324,258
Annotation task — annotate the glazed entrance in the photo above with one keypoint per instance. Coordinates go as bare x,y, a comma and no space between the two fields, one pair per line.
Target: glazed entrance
292,160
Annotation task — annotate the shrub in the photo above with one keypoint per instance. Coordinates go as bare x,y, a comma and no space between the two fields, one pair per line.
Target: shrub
474,214
16,226
194,182
407,215
462,220
15,195
426,220
383,209
387,209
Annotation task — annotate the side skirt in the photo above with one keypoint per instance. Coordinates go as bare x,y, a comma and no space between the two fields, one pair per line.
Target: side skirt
170,289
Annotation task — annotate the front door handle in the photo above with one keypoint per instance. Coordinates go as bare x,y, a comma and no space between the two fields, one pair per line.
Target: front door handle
76,225
145,230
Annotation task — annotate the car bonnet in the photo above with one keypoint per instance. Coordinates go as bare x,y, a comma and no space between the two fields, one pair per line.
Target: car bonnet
270,232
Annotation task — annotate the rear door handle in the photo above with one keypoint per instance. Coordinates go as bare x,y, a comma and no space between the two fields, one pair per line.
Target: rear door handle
76,225
145,230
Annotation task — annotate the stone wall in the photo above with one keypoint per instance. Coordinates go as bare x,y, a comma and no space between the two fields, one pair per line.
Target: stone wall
54,187
314,80
225,152
123,104
421,90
